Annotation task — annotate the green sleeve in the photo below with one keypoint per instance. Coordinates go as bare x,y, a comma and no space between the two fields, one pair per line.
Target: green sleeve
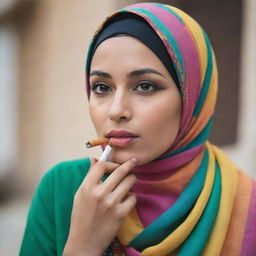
49,216
39,237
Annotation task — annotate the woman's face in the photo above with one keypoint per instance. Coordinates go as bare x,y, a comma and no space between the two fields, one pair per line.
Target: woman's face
133,100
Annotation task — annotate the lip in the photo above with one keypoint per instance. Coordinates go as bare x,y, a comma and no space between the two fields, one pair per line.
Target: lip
121,138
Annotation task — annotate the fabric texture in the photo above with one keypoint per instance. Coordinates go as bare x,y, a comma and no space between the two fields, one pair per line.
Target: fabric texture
191,200
195,218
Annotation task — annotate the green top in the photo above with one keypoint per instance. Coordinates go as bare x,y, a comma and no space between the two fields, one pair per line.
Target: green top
50,212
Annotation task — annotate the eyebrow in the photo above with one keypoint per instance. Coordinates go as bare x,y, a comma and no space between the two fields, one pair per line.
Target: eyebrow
131,74
100,73
145,71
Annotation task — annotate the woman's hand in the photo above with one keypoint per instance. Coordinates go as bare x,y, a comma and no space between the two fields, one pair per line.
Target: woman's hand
100,208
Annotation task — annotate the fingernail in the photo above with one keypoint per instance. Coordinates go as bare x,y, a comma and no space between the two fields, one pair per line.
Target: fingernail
134,159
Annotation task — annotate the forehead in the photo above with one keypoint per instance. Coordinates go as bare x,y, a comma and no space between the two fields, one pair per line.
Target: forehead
125,51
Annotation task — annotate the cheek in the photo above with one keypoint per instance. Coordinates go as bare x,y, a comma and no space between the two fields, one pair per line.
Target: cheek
161,126
162,116
97,114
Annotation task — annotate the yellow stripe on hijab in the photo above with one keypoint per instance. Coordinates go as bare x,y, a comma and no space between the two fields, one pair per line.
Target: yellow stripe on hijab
229,181
131,227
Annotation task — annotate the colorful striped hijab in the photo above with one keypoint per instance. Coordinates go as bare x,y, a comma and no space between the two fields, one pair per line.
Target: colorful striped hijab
192,200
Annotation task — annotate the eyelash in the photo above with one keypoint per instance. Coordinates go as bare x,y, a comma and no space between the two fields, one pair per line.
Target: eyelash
153,85
97,85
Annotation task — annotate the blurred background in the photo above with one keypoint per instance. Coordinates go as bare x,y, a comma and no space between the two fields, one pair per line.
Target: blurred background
43,106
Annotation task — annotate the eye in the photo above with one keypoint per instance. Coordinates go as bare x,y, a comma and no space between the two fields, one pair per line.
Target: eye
146,87
101,88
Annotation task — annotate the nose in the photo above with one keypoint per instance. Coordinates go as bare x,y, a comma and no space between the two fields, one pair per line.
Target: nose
120,109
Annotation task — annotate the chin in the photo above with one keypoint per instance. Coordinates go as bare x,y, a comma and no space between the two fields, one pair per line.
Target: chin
122,157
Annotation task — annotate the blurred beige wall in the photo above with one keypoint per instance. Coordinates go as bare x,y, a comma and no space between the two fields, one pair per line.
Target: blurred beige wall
244,150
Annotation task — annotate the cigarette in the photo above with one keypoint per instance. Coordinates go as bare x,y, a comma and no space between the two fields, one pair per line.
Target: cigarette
97,142
105,153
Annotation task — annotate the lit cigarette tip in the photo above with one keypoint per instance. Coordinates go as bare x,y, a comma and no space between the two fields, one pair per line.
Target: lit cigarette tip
97,142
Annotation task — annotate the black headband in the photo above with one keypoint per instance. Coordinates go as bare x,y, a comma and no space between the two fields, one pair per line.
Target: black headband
133,25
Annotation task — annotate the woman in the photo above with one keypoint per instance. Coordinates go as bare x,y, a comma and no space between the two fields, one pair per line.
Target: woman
166,190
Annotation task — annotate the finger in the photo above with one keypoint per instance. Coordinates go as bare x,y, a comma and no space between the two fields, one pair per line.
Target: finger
98,170
93,161
126,206
122,190
119,174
